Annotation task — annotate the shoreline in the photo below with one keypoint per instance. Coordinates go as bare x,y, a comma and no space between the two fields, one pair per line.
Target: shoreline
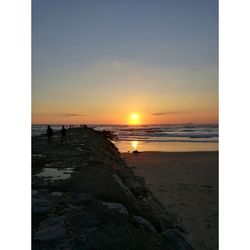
187,184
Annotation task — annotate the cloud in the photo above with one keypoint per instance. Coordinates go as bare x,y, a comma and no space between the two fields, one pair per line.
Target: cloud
169,113
58,114
70,115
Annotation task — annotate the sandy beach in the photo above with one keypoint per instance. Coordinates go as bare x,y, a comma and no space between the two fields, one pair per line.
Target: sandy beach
186,183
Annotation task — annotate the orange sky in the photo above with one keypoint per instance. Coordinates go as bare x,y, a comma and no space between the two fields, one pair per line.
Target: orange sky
93,65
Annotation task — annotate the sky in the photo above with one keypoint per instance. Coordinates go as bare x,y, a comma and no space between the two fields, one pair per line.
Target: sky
98,62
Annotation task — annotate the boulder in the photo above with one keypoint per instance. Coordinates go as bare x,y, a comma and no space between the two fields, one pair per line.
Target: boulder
143,223
177,240
51,229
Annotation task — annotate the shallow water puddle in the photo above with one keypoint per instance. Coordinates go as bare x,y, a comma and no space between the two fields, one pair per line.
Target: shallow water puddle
56,174
38,156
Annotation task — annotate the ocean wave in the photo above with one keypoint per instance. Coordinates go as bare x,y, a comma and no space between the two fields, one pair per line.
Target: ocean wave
167,140
187,135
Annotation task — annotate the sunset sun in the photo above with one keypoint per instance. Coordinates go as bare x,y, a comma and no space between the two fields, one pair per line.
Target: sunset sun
134,119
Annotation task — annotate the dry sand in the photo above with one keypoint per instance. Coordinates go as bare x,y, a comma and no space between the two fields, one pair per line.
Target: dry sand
186,183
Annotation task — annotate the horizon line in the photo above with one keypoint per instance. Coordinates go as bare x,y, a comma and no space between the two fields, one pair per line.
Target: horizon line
125,124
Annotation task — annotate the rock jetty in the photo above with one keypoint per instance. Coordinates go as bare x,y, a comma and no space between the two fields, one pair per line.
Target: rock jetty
84,196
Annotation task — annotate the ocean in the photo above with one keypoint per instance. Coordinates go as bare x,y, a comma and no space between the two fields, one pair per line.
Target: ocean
180,137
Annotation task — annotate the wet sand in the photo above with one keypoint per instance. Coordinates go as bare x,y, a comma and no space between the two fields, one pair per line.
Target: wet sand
186,183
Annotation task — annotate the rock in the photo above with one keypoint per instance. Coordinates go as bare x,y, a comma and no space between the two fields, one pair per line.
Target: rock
117,207
82,221
136,185
51,229
57,194
177,240
34,192
118,180
136,152
145,224
153,211
82,197
42,205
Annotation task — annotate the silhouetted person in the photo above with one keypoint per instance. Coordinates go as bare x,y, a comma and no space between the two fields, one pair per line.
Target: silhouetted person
49,134
63,131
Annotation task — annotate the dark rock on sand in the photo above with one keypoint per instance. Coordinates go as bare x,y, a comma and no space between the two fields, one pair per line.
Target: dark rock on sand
99,204
176,239
136,152
143,223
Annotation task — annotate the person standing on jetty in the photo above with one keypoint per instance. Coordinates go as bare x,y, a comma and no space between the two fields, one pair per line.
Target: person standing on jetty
49,134
63,131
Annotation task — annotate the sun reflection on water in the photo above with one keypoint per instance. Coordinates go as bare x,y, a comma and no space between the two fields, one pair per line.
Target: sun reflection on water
134,145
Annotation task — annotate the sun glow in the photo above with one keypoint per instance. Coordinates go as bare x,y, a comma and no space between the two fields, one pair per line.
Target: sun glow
134,119
134,145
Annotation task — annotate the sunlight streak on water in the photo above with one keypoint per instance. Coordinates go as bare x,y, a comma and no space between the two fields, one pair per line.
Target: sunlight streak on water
134,145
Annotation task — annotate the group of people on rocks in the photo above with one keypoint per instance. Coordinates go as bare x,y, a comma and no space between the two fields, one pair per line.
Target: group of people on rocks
50,133
81,126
